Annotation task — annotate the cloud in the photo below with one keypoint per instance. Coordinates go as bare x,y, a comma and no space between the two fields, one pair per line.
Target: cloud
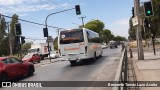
16,2
24,6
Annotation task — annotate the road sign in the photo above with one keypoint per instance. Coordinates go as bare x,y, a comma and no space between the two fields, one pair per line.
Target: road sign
135,21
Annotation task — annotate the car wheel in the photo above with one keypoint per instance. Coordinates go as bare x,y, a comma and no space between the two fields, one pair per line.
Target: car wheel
30,71
42,57
39,60
73,62
4,77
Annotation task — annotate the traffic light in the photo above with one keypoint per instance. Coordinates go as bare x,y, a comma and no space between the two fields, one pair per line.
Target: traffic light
146,23
18,29
45,32
77,8
148,8
132,12
22,39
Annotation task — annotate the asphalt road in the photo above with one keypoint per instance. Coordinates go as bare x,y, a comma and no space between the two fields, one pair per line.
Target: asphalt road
103,69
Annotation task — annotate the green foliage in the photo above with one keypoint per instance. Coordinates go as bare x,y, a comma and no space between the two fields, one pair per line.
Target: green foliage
55,43
26,46
106,35
4,48
154,21
56,46
132,30
2,28
98,26
119,38
95,25
12,32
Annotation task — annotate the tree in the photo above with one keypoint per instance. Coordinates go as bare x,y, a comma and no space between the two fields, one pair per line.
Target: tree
95,25
132,30
26,46
119,38
55,43
3,46
154,20
106,34
12,32
3,40
2,28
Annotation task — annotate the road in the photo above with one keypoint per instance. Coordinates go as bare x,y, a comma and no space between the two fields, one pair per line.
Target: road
103,69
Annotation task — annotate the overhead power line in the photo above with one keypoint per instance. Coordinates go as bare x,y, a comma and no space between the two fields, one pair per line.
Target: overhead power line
31,22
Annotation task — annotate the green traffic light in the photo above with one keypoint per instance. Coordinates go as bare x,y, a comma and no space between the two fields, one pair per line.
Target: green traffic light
149,12
78,12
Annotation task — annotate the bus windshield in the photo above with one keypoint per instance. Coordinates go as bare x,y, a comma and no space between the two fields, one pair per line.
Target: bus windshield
71,36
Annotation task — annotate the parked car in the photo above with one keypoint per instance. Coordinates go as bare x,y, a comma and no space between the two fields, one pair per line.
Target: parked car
104,46
32,58
54,55
11,68
113,44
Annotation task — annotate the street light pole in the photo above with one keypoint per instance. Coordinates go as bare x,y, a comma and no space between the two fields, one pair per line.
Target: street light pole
138,32
82,20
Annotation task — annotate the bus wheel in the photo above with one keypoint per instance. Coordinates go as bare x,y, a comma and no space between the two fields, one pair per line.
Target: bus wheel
101,53
73,62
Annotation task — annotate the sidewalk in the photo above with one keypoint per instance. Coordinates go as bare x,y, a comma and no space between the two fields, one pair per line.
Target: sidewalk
148,69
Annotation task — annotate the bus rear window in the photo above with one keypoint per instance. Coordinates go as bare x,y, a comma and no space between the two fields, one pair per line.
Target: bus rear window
71,36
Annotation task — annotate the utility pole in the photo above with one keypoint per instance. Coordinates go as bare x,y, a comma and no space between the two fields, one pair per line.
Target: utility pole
82,20
138,32
9,38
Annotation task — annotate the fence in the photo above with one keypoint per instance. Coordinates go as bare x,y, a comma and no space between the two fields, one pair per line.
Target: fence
122,72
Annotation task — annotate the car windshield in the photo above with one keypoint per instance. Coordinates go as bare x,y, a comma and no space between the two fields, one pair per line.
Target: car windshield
33,50
28,56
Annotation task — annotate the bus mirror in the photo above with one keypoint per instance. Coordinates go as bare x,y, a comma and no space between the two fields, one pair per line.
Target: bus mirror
87,34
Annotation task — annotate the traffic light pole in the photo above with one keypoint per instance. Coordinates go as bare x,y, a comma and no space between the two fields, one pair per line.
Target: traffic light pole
153,36
48,41
47,28
138,32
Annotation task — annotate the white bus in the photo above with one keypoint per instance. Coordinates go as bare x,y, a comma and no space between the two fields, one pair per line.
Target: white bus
78,44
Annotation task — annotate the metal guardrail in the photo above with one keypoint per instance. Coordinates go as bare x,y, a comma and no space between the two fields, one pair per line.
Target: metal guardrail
122,73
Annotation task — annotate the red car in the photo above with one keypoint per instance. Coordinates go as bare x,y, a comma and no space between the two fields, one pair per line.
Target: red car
32,58
11,68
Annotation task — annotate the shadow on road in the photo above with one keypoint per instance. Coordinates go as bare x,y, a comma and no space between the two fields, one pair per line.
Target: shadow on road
88,62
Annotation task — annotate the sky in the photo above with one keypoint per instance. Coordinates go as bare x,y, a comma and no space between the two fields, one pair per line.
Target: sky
114,13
